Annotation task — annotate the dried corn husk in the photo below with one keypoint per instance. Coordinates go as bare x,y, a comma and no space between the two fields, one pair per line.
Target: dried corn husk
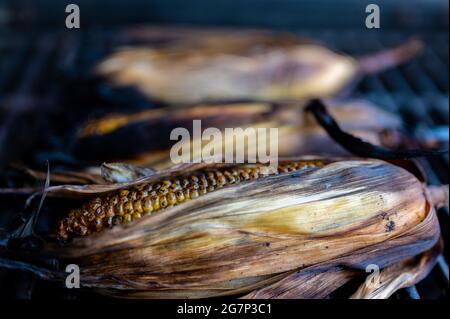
195,66
401,275
321,280
259,235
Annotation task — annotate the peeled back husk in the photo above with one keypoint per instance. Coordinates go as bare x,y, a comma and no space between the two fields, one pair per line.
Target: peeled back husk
245,237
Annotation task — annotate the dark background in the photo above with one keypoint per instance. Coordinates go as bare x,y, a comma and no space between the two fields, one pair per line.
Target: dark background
292,14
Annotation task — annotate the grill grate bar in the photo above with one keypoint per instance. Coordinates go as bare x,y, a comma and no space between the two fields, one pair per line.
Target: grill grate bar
443,267
412,292
421,84
13,60
434,66
35,70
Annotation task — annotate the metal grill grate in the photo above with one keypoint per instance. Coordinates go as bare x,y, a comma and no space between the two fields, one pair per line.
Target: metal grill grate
31,68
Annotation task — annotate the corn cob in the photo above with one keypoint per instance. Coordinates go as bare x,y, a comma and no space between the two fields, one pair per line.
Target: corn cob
197,66
299,132
131,204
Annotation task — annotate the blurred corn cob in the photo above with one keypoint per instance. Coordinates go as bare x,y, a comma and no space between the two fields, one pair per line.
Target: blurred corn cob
298,133
193,66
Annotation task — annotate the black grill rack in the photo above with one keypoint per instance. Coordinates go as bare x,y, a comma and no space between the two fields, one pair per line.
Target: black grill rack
32,67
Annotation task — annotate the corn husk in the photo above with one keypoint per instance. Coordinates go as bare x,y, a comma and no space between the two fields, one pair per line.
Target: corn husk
400,275
321,280
260,236
191,66
298,134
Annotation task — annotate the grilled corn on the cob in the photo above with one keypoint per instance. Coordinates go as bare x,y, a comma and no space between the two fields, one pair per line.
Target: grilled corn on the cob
128,205
250,234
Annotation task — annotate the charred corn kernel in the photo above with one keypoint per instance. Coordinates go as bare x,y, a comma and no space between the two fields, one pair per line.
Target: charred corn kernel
98,223
194,194
128,207
180,196
127,218
187,194
148,208
124,193
244,175
212,178
221,180
110,210
171,199
130,204
136,216
107,222
83,220
118,209
117,220
137,206
166,184
163,202
90,216
203,181
155,202
163,191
